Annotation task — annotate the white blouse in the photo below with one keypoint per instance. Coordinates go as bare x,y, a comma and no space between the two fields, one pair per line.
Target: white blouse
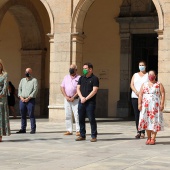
138,81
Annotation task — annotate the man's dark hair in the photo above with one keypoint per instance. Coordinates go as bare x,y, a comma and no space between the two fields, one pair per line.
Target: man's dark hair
89,65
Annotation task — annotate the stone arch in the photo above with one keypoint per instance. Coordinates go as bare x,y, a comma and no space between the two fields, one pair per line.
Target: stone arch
50,13
34,43
84,5
78,36
160,14
79,15
29,22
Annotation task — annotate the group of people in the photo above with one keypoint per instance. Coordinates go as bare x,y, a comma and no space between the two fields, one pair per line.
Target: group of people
80,98
148,97
27,92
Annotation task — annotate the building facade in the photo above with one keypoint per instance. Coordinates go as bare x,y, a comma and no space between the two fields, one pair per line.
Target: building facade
49,35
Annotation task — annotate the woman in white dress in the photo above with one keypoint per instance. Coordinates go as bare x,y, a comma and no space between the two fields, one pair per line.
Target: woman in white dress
151,104
137,80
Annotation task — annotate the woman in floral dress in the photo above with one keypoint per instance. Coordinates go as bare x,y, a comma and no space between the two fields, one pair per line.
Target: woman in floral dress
151,104
4,113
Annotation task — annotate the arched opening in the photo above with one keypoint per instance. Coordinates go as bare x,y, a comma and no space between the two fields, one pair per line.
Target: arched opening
94,21
23,28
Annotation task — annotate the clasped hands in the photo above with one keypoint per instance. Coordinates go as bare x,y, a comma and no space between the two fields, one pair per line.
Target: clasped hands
70,99
24,100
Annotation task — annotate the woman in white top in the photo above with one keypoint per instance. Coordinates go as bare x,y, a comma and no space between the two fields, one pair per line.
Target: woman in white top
136,82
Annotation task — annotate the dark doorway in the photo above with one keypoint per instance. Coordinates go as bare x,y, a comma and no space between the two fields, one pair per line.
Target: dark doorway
144,47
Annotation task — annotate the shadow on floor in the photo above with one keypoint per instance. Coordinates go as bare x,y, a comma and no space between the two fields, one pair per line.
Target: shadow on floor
163,143
115,139
110,133
163,137
26,140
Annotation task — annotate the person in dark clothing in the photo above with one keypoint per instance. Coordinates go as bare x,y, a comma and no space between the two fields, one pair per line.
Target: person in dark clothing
11,99
87,88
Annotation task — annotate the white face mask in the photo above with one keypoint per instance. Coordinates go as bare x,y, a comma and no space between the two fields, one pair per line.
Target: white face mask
142,68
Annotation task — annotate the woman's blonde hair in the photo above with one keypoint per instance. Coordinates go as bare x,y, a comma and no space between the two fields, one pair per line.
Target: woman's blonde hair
3,68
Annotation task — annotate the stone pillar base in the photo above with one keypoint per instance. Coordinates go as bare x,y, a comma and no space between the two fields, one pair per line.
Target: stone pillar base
166,119
123,109
56,114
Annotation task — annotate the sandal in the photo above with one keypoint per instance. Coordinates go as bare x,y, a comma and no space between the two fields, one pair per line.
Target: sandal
142,135
148,141
138,136
152,142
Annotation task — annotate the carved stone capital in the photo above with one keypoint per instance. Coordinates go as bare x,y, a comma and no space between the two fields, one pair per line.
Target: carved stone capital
160,34
78,37
51,37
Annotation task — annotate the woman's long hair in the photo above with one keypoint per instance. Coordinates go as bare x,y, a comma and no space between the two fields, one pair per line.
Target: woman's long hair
3,68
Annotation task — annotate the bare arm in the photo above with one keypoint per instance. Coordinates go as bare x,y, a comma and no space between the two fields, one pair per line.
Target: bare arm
64,93
133,87
93,92
140,98
162,90
79,93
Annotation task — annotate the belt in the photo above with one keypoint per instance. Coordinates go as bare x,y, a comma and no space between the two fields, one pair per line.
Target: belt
76,97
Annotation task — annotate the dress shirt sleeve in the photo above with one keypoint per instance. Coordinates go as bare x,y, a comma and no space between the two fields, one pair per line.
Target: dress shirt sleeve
35,89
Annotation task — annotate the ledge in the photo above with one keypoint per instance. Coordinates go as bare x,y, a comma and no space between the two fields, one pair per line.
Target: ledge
56,106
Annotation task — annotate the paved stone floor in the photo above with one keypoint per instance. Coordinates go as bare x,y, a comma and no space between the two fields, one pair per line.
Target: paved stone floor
116,149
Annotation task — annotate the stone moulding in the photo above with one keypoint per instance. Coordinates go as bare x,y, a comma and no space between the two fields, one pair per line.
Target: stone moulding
56,106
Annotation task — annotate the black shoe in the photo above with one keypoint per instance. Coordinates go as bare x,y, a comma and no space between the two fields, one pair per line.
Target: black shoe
21,131
32,132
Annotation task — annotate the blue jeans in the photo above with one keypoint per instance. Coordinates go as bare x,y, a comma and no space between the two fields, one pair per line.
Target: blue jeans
83,110
27,108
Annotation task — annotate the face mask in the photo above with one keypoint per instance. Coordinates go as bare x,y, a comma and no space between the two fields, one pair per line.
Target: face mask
85,72
71,70
142,68
151,77
27,74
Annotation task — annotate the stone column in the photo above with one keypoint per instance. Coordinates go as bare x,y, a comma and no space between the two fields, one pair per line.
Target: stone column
164,69
61,60
35,60
123,104
77,50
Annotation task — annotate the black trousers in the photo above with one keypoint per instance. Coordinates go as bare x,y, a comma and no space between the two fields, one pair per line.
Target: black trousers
137,113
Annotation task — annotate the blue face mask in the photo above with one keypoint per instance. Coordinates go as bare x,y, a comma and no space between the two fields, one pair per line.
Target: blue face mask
142,68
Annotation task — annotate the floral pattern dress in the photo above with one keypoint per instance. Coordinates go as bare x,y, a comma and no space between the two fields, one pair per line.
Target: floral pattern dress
151,118
4,112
